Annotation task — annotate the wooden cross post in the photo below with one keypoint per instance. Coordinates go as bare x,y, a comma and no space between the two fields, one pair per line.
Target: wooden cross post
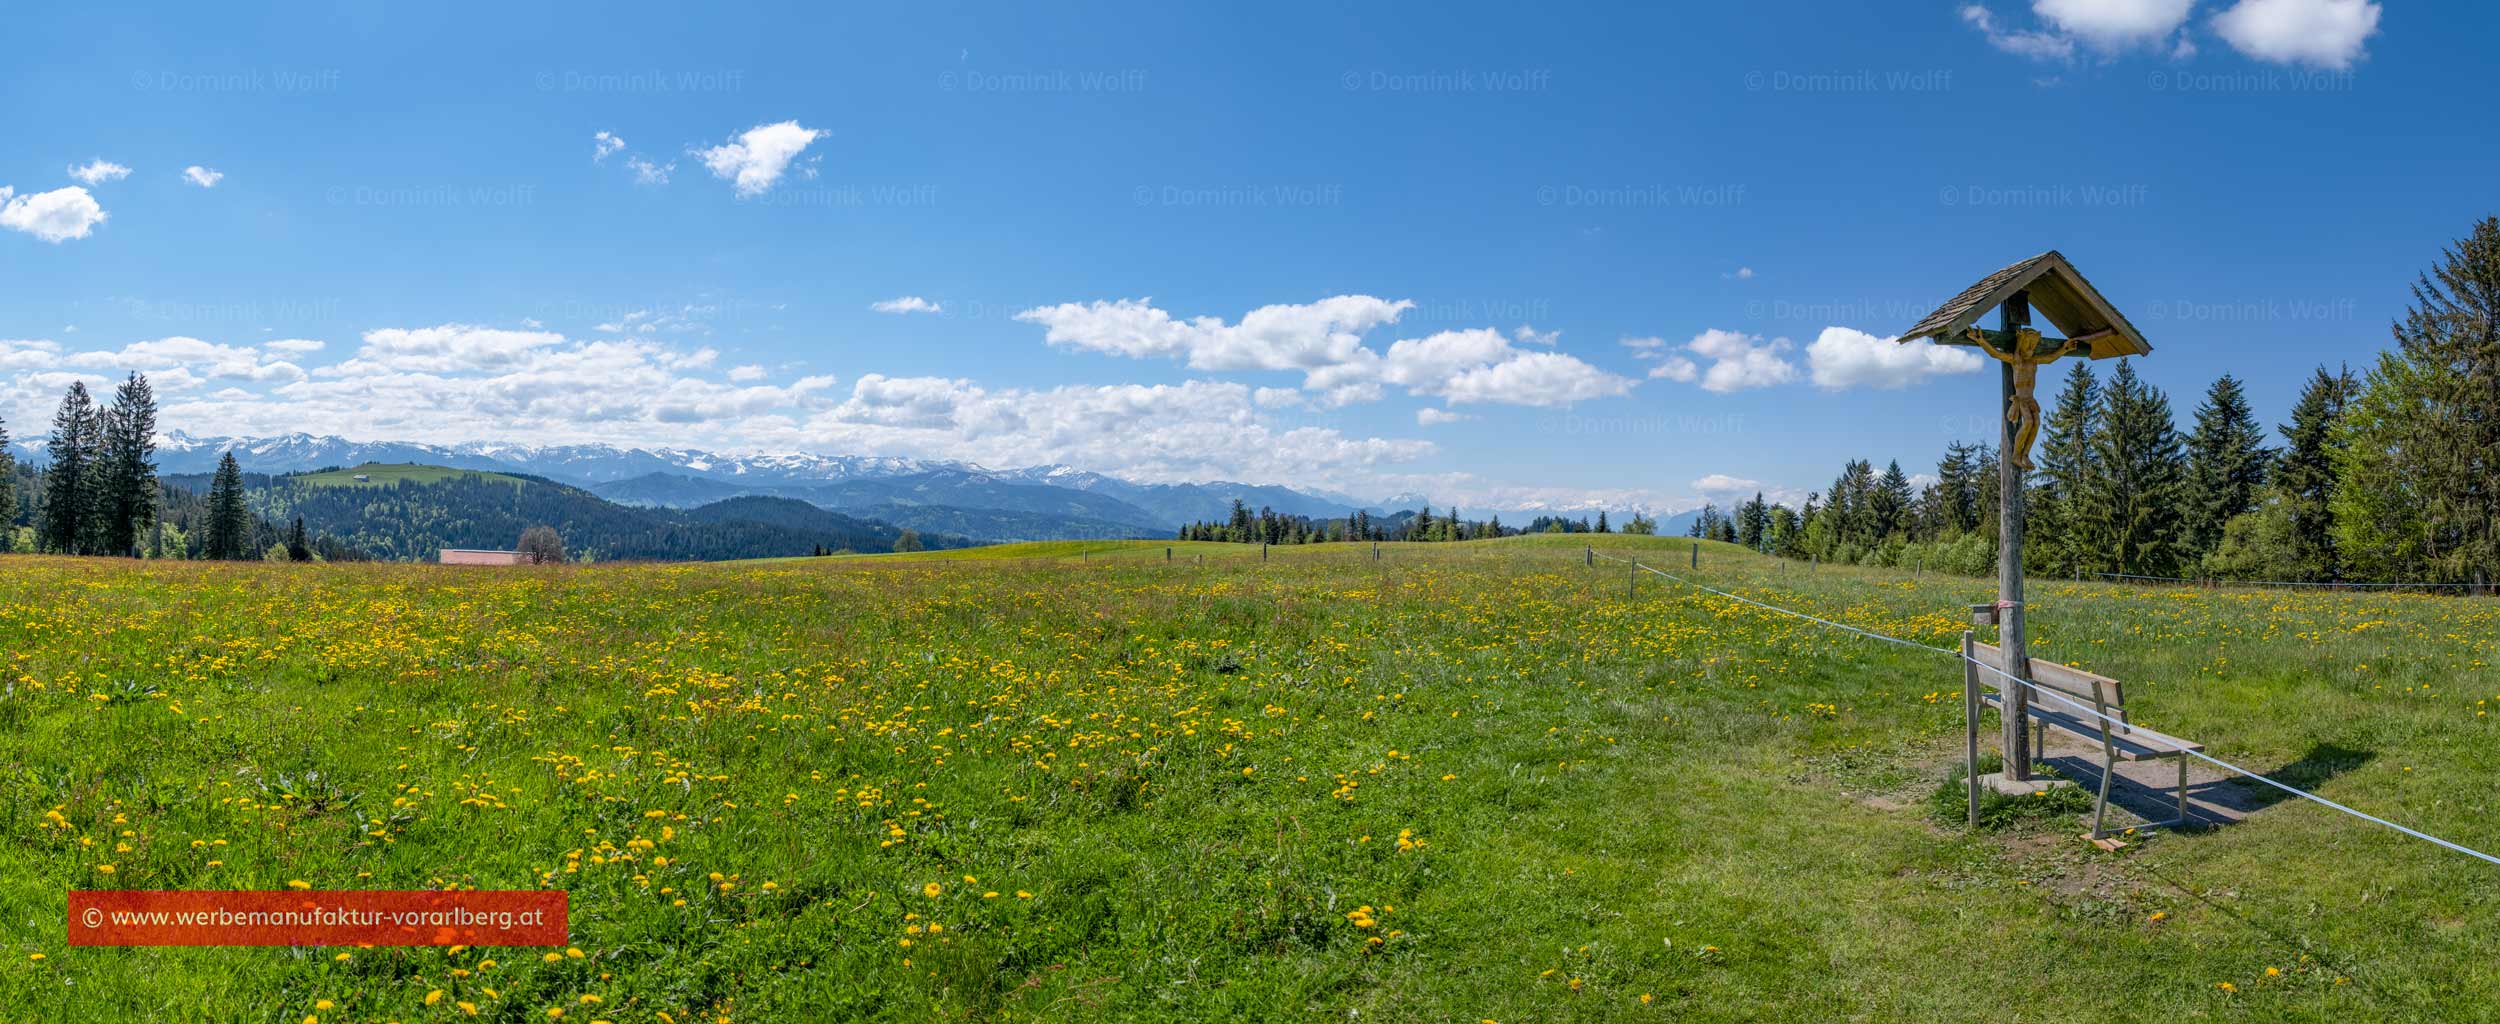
2015,315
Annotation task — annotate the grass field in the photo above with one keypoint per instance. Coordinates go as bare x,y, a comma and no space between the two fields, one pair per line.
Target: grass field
1461,782
380,474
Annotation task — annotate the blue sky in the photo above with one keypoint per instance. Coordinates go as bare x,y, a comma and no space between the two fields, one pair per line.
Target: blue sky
1637,254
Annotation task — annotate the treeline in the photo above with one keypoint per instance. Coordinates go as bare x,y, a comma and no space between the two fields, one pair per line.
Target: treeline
2389,477
1267,526
100,494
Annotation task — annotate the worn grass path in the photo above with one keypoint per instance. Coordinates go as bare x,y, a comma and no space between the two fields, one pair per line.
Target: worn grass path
1461,782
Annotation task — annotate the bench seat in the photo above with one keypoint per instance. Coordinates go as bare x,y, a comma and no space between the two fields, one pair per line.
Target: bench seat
2130,743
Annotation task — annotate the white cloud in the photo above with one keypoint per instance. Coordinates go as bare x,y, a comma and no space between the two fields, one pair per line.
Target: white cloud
1324,340
2324,33
756,159
648,173
1677,369
2112,26
1845,358
604,145
444,349
746,374
56,216
1740,361
98,171
28,353
202,176
1431,417
1742,274
1281,337
296,346
906,304
1276,398
2046,46
1720,484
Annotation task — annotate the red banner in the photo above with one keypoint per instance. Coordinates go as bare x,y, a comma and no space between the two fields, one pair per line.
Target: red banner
352,917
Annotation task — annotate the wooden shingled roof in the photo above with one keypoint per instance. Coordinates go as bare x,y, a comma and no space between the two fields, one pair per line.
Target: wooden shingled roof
2056,291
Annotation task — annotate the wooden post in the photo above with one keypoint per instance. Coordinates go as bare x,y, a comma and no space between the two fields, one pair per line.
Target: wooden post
1632,582
2014,316
1262,551
1588,557
1696,554
1970,727
1167,554
1375,551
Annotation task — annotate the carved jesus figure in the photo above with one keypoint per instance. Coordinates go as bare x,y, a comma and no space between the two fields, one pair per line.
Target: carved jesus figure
2023,411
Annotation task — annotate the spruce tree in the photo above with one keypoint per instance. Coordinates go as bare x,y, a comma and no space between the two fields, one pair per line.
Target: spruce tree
2451,338
1601,523
299,550
2307,475
1889,506
2132,500
69,487
126,495
229,522
2227,465
2067,469
8,492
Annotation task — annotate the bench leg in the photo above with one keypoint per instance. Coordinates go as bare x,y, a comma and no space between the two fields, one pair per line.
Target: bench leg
2183,808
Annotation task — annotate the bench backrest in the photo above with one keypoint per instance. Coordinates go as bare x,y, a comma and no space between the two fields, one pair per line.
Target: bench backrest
2085,687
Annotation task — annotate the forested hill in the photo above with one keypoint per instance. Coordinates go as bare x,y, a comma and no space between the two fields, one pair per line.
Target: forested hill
411,517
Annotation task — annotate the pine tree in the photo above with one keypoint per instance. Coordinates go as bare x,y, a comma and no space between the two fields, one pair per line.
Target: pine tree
2132,499
126,495
2227,465
300,550
229,523
70,485
2067,469
1601,523
2307,475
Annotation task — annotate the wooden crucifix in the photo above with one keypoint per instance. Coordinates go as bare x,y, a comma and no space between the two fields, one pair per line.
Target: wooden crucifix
2094,329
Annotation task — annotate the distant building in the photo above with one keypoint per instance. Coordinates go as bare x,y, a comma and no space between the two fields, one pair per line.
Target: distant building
473,556
363,478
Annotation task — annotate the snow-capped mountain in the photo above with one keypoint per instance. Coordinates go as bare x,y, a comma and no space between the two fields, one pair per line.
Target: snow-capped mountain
178,452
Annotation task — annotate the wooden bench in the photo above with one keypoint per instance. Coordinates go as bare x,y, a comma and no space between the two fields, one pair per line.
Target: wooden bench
2120,738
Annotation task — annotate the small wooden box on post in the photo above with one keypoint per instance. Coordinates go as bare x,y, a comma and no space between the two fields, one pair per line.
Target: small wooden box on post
2049,285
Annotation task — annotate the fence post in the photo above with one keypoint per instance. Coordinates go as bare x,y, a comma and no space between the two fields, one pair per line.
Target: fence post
1970,727
1815,560
1375,551
1696,554
1588,556
1167,553
1632,582
1262,551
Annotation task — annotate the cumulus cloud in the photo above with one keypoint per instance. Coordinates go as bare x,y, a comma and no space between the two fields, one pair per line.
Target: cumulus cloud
56,216
1740,361
1677,369
1431,417
202,176
604,145
2037,45
2112,26
1741,274
98,171
906,304
1845,358
746,374
1324,341
447,348
2322,33
297,346
755,160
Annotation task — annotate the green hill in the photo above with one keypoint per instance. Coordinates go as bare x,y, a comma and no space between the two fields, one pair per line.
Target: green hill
380,474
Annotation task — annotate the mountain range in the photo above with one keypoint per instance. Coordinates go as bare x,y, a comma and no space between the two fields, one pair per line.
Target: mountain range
931,496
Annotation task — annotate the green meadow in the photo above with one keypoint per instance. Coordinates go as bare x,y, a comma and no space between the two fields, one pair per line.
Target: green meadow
1451,782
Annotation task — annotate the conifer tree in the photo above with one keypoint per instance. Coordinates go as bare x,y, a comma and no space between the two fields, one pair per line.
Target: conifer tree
229,522
2067,470
2132,499
8,492
300,550
70,486
126,494
1889,507
2227,465
2307,474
